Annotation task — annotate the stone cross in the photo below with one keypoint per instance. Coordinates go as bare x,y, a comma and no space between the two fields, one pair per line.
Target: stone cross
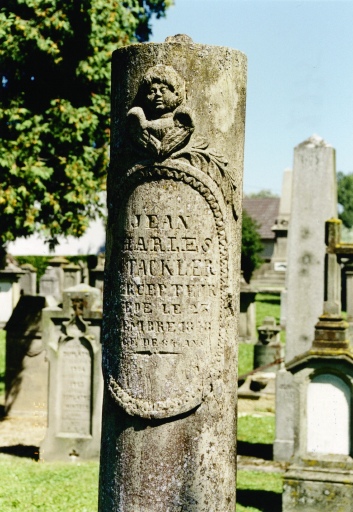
171,292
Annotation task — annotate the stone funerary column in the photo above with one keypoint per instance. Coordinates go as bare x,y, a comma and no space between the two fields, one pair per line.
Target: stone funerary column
172,278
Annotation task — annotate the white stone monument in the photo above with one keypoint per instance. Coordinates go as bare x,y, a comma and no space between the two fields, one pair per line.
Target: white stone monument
314,201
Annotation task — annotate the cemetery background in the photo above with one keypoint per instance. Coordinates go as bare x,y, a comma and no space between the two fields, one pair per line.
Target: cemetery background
58,487
237,46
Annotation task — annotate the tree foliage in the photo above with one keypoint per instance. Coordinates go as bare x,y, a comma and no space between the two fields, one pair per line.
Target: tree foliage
251,247
345,197
54,108
265,192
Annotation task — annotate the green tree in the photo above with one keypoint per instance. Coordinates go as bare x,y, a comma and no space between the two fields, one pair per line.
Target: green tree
251,247
54,108
345,197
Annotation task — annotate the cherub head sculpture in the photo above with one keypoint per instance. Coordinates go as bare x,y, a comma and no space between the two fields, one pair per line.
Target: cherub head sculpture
162,90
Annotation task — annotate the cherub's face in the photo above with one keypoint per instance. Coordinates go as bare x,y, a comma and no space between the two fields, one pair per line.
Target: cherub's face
161,99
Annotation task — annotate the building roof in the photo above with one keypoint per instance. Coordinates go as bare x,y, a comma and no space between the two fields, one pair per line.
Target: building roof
263,210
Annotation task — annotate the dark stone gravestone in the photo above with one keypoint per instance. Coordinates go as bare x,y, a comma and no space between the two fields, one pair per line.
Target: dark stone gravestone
26,376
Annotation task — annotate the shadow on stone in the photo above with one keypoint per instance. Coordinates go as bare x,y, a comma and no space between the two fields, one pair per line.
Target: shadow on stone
271,300
266,501
20,450
259,450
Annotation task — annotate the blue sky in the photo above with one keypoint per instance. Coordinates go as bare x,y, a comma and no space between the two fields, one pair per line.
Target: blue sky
300,74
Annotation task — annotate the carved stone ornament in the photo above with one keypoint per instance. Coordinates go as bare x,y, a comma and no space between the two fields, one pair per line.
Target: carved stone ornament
160,127
172,257
76,328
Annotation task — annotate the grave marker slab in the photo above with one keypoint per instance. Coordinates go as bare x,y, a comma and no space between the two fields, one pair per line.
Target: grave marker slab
72,338
314,201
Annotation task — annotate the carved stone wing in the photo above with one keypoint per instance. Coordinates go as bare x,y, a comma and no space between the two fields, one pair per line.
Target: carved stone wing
139,133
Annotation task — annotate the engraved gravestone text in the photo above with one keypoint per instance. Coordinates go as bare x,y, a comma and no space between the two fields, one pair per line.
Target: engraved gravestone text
169,293
76,377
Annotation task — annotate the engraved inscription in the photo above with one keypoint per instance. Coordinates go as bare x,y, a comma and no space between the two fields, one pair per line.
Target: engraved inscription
76,377
168,319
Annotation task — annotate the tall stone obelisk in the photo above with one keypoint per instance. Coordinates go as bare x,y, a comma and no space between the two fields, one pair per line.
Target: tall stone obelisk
171,294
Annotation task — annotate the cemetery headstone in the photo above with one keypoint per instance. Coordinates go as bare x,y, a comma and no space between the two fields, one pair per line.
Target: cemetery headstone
320,476
314,200
26,374
268,356
349,299
247,314
171,292
9,290
72,275
49,284
96,274
28,281
71,335
279,257
268,349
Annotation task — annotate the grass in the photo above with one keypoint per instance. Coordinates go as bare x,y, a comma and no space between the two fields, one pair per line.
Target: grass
268,304
256,429
258,489
260,481
245,358
30,486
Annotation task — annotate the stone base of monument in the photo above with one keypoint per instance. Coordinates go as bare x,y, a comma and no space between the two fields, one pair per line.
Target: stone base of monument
257,385
319,486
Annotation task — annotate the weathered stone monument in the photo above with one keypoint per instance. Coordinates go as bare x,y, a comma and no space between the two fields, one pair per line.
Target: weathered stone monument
71,336
320,476
279,257
247,314
49,284
314,200
171,292
72,275
28,281
268,356
268,349
96,274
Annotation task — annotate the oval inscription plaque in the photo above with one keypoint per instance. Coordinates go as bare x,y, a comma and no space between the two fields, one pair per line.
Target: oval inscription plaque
168,322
